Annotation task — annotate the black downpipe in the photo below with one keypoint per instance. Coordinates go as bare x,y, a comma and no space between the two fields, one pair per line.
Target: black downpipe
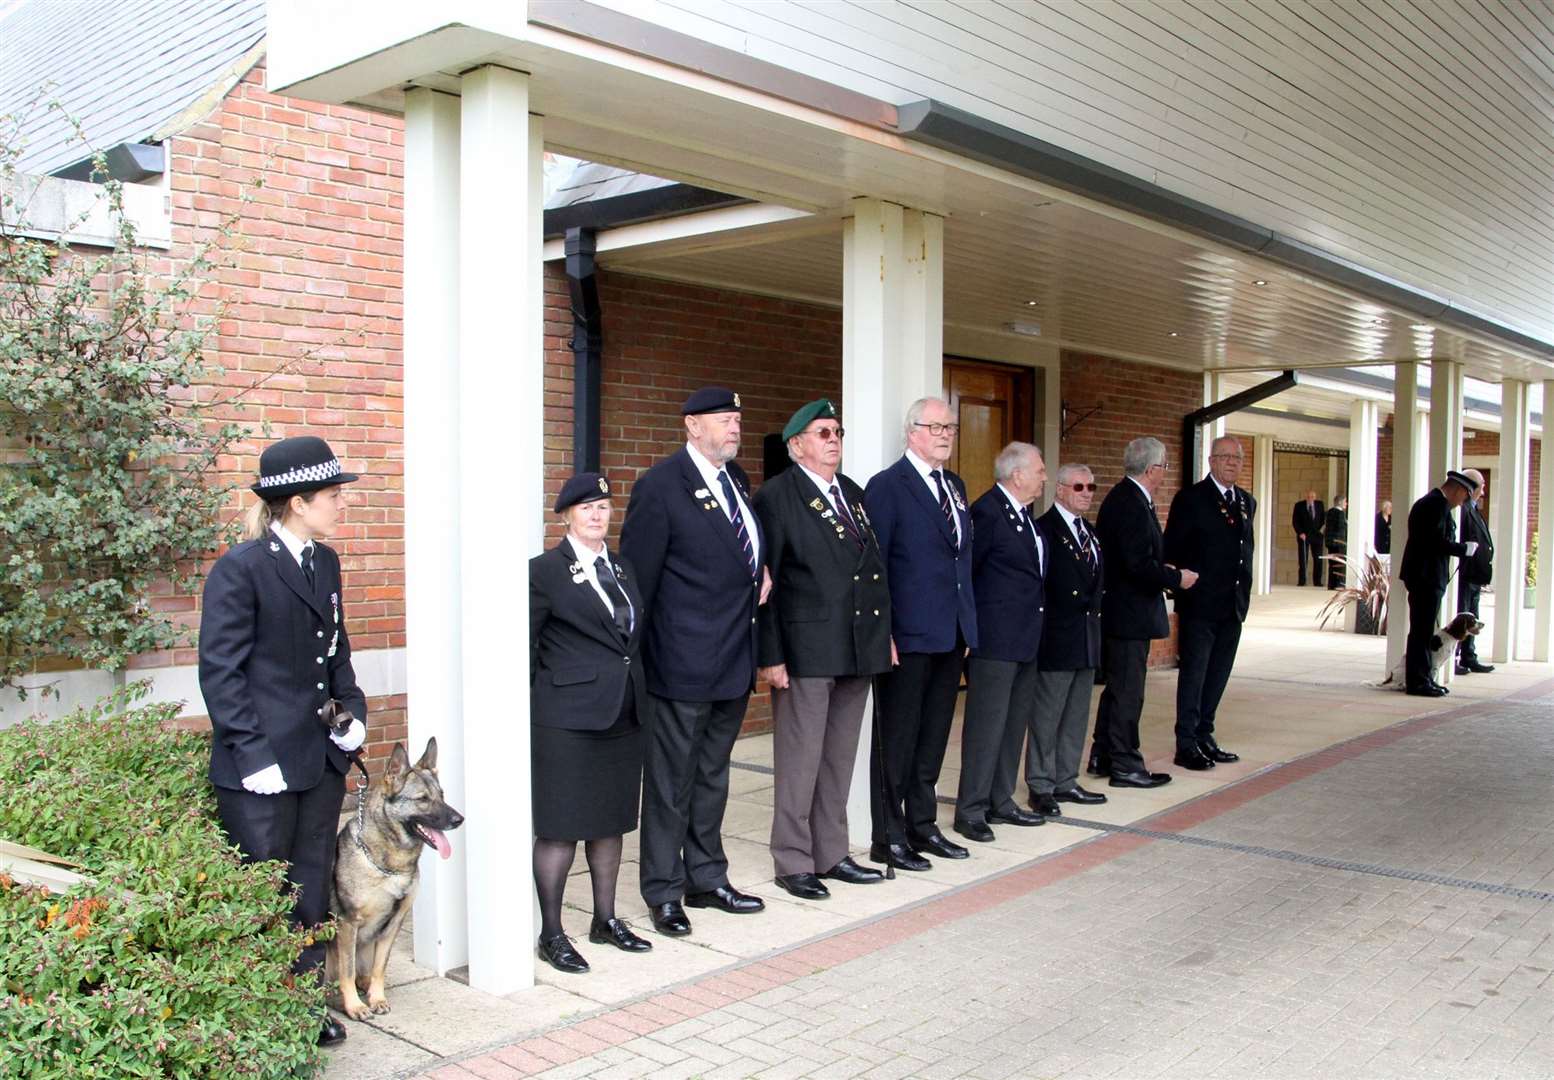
1192,423
587,347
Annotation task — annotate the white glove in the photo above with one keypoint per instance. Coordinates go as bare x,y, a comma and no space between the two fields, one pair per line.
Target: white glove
354,736
1472,546
266,781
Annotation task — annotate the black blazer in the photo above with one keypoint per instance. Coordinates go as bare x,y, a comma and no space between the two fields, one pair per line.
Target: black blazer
1383,534
829,612
272,652
930,578
1008,581
1432,538
1335,527
1071,639
1480,569
695,582
1310,524
581,667
1133,550
1205,535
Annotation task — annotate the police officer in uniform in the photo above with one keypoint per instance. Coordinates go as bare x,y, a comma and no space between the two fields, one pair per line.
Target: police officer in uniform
1432,539
273,650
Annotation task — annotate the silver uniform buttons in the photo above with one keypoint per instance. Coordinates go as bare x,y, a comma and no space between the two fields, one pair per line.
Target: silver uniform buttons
320,686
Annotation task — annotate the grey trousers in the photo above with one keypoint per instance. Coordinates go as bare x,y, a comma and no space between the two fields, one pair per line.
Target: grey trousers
1000,701
1058,726
814,743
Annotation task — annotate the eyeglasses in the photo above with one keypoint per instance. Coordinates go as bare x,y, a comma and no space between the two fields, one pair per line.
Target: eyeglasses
1083,487
938,429
1237,457
1164,465
826,434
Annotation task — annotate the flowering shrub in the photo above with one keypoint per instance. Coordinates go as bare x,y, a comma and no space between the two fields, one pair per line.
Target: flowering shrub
174,960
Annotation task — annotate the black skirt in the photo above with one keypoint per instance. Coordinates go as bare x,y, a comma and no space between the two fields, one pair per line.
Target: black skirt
587,784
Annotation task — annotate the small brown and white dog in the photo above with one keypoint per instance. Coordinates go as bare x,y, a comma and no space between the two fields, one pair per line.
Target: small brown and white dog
1443,647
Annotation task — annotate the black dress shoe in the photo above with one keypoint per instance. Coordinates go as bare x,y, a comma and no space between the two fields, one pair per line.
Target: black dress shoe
617,933
1077,794
1046,805
1211,750
670,919
936,843
1193,758
559,954
1099,766
1427,690
332,1033
1140,779
852,874
1438,686
974,830
727,898
1475,666
804,886
1013,815
898,855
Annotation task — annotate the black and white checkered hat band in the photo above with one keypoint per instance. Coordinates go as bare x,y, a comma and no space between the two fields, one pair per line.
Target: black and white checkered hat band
307,474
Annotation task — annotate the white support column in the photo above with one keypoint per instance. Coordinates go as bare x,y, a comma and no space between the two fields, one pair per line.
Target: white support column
1408,446
1362,490
501,482
433,609
1510,509
1049,423
1543,609
922,250
1263,525
1213,390
1423,481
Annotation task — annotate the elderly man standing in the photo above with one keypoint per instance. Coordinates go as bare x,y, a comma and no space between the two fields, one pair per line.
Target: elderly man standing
1210,531
1432,539
1008,566
1307,519
823,637
1473,575
699,557
923,525
1070,646
1137,577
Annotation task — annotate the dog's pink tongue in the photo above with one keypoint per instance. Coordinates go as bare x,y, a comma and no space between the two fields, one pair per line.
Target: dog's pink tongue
444,849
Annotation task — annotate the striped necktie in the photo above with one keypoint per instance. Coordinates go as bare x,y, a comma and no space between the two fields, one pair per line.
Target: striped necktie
738,519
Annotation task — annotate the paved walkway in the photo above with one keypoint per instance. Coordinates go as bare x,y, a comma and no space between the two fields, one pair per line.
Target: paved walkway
1368,893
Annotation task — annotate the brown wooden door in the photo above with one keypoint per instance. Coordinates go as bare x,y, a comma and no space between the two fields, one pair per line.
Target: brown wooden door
994,404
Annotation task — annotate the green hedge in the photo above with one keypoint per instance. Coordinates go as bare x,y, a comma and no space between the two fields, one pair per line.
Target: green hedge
175,960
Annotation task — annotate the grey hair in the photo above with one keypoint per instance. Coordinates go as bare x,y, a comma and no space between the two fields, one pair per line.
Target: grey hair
915,411
1141,453
1012,457
1070,471
1226,440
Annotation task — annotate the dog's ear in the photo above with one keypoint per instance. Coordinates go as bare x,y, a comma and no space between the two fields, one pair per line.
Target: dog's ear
429,755
394,772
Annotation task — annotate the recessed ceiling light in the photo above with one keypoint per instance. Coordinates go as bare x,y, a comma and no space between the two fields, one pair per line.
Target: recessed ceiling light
1375,322
1026,328
1030,303
1171,334
1259,281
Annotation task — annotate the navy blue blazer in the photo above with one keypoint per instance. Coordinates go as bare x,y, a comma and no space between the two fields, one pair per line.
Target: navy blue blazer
1009,582
1071,640
931,591
1136,573
695,581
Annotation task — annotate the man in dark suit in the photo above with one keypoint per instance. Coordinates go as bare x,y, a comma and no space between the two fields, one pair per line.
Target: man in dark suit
1070,646
920,517
1335,534
1137,577
1474,574
1008,567
1307,519
700,561
823,638
1209,530
1432,539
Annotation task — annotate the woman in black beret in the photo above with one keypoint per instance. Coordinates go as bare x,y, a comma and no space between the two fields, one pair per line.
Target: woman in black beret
273,650
587,692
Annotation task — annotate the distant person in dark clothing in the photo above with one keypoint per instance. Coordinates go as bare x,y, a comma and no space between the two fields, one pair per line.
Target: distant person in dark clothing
1432,539
1474,574
1384,529
1307,519
1335,531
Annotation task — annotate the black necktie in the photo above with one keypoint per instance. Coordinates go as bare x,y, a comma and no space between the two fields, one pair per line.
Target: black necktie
944,504
1025,512
612,589
738,519
307,565
847,519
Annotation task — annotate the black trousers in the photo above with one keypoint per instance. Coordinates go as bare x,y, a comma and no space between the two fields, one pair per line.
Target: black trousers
1126,662
1000,708
1424,607
1310,548
915,707
1467,600
1207,652
1336,572
298,828
684,795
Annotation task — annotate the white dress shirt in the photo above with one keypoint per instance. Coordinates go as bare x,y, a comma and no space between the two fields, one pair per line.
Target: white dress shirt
709,474
294,543
1070,518
585,558
1041,551
926,471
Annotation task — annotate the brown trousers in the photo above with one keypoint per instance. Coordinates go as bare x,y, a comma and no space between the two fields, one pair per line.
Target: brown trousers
817,721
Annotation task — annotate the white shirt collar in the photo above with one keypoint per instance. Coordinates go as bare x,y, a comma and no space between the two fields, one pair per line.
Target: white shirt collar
585,553
1014,502
708,470
818,480
1222,487
924,469
293,542
1150,499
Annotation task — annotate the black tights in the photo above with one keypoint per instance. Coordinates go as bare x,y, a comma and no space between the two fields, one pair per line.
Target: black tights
552,863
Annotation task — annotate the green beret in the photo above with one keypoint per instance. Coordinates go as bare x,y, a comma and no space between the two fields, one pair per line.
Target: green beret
819,409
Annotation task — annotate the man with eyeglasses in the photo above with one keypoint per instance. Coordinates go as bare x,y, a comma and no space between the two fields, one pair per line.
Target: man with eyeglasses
823,637
923,524
1210,531
1070,647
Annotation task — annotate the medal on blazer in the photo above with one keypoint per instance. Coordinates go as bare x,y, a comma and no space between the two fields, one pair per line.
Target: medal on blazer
1224,511
829,515
576,570
334,640
708,502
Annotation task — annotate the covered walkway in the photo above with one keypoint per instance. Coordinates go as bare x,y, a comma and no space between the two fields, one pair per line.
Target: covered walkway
1370,880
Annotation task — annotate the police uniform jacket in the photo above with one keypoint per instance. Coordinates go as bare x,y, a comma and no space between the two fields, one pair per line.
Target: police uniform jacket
1134,565
829,613
931,591
1213,537
695,581
1007,581
1432,539
272,652
581,667
1071,638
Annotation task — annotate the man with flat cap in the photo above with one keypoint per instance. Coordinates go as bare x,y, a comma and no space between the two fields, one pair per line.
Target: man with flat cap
699,554
1432,539
1473,574
823,637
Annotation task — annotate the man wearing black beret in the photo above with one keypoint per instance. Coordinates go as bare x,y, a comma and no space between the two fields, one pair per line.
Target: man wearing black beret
700,559
1432,538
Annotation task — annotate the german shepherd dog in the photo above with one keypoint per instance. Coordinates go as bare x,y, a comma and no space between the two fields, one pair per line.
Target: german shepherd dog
377,868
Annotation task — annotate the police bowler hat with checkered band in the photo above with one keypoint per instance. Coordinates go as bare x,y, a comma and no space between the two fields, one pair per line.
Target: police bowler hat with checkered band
296,466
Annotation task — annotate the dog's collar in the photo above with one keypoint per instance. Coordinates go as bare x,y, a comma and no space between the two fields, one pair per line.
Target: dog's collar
361,824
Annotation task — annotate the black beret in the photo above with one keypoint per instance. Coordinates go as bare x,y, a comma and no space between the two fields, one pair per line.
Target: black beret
819,409
582,488
710,399
1453,476
296,466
